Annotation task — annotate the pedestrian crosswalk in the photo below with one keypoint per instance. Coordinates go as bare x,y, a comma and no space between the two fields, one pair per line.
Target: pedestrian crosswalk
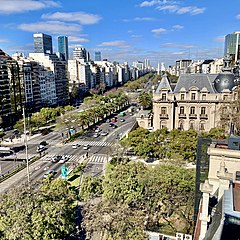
92,143
71,158
98,158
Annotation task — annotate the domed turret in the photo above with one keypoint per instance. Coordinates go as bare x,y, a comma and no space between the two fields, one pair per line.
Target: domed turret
226,79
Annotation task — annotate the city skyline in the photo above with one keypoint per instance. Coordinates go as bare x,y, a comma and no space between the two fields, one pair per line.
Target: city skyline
161,31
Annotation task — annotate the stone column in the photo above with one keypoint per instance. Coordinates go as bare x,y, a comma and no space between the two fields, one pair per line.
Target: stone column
206,189
224,179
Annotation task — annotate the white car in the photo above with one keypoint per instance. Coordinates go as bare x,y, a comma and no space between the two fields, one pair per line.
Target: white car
104,133
64,159
96,135
75,145
86,147
98,130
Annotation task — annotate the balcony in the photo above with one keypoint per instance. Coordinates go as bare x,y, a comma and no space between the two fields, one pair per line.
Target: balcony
193,116
203,116
182,115
163,116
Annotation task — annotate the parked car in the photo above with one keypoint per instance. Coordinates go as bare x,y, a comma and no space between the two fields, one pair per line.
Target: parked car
111,124
50,173
122,120
56,158
86,147
104,133
114,126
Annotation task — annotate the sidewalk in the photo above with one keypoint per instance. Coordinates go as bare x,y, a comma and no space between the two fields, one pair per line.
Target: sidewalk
21,140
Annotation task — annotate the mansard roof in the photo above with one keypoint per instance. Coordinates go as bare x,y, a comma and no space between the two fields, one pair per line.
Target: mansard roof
164,84
199,81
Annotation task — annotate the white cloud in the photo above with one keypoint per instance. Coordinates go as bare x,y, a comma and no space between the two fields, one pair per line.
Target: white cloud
177,27
136,36
52,27
139,19
154,2
81,17
117,43
17,6
71,46
159,30
77,39
4,40
192,10
174,45
220,39
238,16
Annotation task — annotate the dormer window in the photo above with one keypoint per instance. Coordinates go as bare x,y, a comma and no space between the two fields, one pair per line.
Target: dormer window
204,96
193,96
164,96
182,96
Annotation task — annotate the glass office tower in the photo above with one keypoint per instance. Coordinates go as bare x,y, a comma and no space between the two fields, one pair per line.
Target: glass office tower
98,56
232,46
63,47
42,43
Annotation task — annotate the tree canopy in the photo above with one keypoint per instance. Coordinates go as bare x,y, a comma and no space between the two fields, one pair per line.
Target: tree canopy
44,214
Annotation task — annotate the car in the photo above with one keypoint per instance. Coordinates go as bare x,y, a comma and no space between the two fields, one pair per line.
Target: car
43,143
49,173
40,148
75,145
122,120
96,135
86,147
114,126
97,130
56,158
111,124
64,159
104,133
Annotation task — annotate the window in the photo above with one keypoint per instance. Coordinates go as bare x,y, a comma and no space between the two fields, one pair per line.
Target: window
191,125
182,96
202,127
204,96
225,97
163,110
164,96
181,126
203,110
192,110
193,96
181,110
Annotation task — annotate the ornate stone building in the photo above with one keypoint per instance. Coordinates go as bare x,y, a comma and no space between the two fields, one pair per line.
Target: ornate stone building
194,102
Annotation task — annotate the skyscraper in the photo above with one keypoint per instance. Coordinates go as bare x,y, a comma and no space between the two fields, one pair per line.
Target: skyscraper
63,47
98,56
42,43
232,46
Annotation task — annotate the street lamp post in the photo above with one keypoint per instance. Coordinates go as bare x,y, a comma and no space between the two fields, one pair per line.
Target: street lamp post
26,145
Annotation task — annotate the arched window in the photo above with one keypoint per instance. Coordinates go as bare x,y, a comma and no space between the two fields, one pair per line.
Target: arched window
181,125
191,125
164,96
163,124
181,110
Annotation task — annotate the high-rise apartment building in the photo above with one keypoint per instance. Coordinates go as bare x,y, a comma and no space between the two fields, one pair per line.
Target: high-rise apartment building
98,56
42,43
79,53
232,46
63,47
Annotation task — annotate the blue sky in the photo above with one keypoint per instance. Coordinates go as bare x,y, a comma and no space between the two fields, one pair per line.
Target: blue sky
126,30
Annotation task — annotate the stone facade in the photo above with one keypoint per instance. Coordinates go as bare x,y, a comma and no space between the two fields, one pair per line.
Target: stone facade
193,103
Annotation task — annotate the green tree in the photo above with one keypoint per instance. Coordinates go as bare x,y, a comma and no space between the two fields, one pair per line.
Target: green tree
44,214
145,100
